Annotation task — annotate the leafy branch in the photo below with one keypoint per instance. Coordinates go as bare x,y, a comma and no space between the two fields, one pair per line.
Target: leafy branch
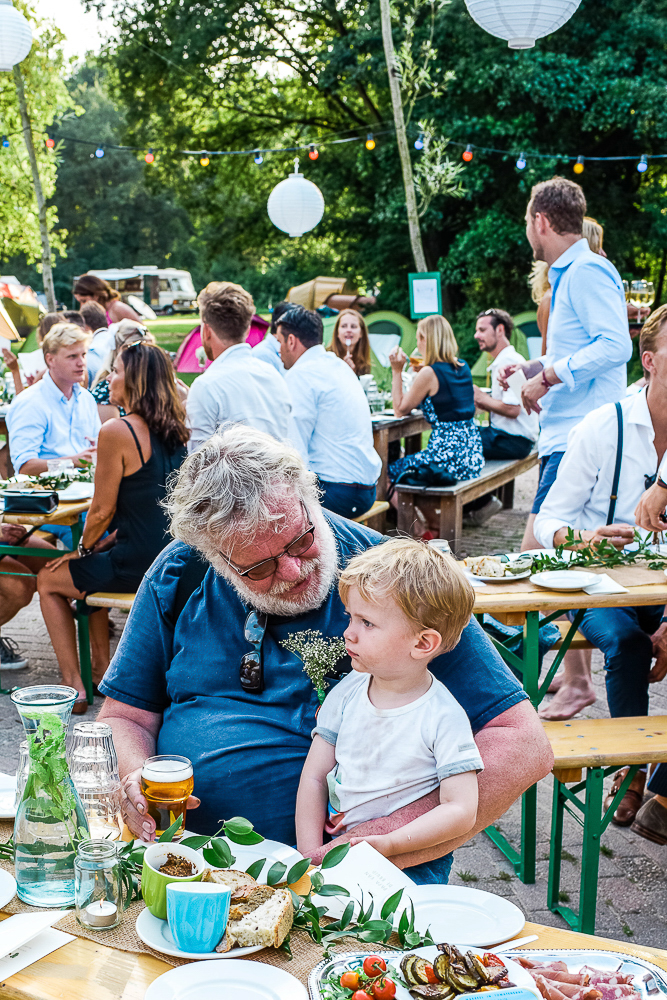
603,553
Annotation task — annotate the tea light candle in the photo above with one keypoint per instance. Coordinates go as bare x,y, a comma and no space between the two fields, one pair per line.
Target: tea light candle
101,913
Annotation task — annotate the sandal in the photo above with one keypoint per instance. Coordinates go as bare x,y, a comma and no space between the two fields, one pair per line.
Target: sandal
80,706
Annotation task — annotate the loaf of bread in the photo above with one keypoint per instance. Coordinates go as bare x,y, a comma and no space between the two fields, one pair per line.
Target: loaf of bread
241,884
253,896
267,926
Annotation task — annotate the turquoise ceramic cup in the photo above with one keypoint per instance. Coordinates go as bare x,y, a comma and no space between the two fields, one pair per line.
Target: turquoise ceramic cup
197,913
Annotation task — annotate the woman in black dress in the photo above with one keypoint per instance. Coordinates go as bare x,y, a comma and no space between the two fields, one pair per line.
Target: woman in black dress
136,454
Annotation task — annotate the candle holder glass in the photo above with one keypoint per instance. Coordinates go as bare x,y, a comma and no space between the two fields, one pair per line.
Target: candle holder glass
98,890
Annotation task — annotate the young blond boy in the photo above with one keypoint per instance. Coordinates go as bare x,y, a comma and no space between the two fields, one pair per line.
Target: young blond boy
389,732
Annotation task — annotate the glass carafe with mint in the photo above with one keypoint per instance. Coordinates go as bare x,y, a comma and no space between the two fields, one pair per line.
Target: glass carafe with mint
50,819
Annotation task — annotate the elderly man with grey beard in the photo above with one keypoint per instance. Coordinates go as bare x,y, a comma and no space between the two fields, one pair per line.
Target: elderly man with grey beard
202,671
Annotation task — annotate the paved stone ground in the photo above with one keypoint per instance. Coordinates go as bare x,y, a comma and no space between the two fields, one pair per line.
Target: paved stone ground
632,897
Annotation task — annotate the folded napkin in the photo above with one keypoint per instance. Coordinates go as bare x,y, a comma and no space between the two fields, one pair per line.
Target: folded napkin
605,585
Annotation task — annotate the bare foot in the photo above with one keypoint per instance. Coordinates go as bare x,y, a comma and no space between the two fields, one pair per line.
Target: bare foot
556,682
567,702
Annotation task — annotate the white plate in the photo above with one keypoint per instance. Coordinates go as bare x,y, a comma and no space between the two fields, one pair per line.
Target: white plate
564,579
23,927
77,491
156,934
231,981
502,579
272,850
7,888
472,916
7,796
516,974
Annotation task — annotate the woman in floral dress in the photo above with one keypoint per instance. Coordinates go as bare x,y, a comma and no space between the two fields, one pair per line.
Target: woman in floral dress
443,390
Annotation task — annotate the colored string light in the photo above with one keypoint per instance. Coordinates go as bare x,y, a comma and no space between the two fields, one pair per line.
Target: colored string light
150,156
419,142
50,143
521,162
642,166
99,152
579,165
204,161
259,159
467,153
370,141
313,153
5,142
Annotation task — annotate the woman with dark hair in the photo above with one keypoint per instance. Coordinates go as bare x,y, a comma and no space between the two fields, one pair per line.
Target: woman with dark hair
89,286
136,454
350,341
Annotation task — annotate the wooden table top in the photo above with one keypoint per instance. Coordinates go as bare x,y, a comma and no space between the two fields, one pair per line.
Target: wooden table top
608,742
549,601
83,969
415,417
65,513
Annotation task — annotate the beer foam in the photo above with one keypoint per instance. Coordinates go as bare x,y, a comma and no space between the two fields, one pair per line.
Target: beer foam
162,771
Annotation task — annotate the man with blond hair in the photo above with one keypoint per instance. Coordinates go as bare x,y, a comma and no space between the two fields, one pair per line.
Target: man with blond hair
56,417
238,387
255,562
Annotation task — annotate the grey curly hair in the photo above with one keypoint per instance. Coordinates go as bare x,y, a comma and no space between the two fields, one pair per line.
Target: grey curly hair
223,489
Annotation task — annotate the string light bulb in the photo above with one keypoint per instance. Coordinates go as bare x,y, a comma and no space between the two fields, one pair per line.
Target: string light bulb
370,141
642,166
313,153
259,159
50,143
419,142
467,153
204,161
150,156
5,142
99,152
579,165
521,162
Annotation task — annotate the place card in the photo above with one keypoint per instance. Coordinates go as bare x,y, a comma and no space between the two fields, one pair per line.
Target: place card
363,869
31,952
605,585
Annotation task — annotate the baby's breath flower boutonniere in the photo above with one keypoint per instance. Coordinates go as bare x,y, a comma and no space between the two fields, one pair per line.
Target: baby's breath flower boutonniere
319,655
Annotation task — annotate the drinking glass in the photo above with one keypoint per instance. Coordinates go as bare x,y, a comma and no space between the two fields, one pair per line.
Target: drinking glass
626,290
87,734
416,360
642,294
95,774
59,464
167,783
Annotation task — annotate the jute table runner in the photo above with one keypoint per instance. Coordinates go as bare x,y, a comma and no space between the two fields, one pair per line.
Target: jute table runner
305,953
624,576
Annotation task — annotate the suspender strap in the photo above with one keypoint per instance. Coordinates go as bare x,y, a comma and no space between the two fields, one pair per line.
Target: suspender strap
617,468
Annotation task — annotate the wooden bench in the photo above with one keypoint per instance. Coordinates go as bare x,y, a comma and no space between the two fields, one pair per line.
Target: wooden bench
448,501
600,747
578,640
102,600
378,508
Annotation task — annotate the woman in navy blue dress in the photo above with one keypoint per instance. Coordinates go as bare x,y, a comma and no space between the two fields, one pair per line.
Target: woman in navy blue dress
443,390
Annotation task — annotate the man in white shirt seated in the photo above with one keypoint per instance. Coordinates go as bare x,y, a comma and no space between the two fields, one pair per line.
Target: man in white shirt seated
95,318
331,420
586,497
56,417
512,432
238,387
269,349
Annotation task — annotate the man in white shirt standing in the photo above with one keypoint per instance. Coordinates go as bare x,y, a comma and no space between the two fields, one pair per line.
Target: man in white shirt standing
269,349
331,420
596,493
238,387
511,432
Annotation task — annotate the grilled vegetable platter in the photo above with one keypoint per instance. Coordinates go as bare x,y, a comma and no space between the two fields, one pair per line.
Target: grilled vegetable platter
443,971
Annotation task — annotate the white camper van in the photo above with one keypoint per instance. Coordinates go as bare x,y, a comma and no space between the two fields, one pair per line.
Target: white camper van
166,290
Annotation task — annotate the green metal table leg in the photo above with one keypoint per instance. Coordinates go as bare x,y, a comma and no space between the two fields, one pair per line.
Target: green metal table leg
84,651
555,846
531,657
528,835
590,853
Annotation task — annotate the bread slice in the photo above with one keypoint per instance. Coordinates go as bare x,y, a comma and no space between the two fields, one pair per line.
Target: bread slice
253,896
267,926
239,882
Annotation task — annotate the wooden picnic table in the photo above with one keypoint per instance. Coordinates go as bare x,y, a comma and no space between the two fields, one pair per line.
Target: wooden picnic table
83,969
395,429
521,608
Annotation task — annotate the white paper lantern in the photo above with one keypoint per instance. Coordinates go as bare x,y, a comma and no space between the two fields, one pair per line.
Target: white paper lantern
296,205
520,22
15,36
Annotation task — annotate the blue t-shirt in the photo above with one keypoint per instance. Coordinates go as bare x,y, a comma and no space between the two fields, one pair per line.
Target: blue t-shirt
247,749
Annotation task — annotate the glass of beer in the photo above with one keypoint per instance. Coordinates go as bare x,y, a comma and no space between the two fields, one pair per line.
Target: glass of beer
166,784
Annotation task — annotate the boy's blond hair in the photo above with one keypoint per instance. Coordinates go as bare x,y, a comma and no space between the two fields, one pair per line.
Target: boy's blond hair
64,335
428,586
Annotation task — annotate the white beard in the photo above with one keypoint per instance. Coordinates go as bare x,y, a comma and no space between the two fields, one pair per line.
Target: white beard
324,569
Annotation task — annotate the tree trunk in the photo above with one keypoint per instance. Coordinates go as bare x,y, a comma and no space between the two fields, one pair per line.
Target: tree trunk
401,139
47,272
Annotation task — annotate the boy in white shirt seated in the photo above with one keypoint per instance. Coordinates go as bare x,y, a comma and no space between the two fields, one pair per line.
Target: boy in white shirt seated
389,732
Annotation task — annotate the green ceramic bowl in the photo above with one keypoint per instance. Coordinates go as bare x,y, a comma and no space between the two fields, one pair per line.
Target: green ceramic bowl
154,882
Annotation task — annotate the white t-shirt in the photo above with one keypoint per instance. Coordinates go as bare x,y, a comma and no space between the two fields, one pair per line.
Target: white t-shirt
387,758
526,424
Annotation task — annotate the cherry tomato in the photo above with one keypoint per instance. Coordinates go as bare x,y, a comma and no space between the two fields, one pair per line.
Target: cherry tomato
374,965
361,995
430,974
490,959
350,980
384,989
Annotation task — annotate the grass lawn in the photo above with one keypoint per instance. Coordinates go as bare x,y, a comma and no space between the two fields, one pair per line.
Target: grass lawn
169,331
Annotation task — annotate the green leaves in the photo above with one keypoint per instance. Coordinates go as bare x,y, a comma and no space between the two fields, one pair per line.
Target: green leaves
255,868
275,873
218,854
335,856
241,831
297,871
168,836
